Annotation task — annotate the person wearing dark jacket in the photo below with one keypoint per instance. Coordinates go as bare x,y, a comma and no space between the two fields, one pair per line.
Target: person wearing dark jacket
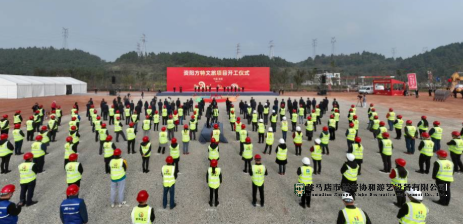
456,148
443,173
208,116
349,173
145,152
9,211
4,125
420,210
142,208
258,173
72,204
18,135
5,153
260,111
281,158
351,213
398,177
314,102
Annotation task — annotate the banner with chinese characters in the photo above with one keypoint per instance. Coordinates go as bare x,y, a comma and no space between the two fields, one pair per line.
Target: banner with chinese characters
253,79
412,85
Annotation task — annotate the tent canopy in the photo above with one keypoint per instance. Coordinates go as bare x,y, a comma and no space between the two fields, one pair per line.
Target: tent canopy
390,87
18,86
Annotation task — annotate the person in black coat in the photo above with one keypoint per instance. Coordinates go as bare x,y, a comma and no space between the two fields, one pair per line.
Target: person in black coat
314,102
208,115
260,110
241,105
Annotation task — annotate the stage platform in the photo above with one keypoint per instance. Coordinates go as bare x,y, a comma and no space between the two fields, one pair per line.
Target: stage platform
223,94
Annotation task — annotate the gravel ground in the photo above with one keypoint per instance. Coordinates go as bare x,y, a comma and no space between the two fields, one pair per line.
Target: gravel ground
192,193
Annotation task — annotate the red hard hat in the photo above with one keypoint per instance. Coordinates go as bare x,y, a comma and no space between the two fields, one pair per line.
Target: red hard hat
37,111
69,139
318,106
233,112
5,116
17,126
423,117
92,106
355,116
196,106
73,118
436,123
31,118
381,123
385,135
358,139
73,128
118,118
28,155
194,112
95,111
390,110
131,124
401,162
98,117
169,160
112,106
156,112
214,163
294,111
375,117
351,125
146,139
325,128
336,110
44,128
455,133
257,156
216,126
441,153
174,140
175,112
170,116
38,138
73,157
371,104
352,105
243,126
72,190
399,116
59,107
147,116
185,126
331,116
163,129
373,109
52,117
212,140
313,111
109,138
4,136
408,122
309,118
238,118
351,110
192,116
117,152
10,188
248,140
425,135
142,196
18,111
103,125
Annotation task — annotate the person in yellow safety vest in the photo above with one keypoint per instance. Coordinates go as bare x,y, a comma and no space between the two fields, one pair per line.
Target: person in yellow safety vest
316,154
4,125
36,121
146,125
109,148
350,213
254,120
149,111
96,127
30,129
284,128
422,125
45,133
332,127
379,132
27,175
213,150
131,136
102,134
258,173
134,119
74,110
216,133
232,120
111,115
282,156
349,173
118,115
185,139
169,175
293,121
73,122
336,117
214,179
410,135
317,112
249,113
398,125
53,127
301,114
266,113
237,128
443,172
391,117
398,177
309,128
436,135
305,177
69,148
74,170
372,118
174,151
282,112
261,130
6,150
59,114
350,136
18,136
94,117
243,135
118,129
17,118
246,154
426,146
325,139
175,119
385,149
297,139
156,121
193,129
414,211
357,150
273,120
269,139
375,126
142,213
127,114
350,115
352,107
196,113
215,115
145,152
118,167
456,148
91,112
170,127
181,114
38,150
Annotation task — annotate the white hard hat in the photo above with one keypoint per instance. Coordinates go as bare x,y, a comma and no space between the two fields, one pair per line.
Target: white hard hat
416,194
347,197
318,141
298,128
273,111
282,141
284,118
306,161
260,120
350,156
270,129
254,111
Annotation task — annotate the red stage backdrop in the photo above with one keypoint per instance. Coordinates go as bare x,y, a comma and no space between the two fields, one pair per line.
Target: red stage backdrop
253,79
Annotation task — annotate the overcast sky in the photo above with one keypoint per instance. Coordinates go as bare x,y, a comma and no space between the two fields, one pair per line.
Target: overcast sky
109,28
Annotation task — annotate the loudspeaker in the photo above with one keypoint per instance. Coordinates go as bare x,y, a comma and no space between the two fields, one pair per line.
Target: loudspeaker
323,79
113,80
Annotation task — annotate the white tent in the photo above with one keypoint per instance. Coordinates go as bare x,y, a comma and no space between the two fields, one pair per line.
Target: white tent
17,86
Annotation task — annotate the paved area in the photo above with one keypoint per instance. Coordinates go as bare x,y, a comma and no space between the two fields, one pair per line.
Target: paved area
192,193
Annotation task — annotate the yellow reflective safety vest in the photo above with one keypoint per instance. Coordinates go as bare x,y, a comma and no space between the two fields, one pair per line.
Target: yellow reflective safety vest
282,154
127,112
297,137
180,112
168,177
108,149
130,133
284,126
354,215
375,124
437,133
37,149
75,138
146,125
117,169
427,150
141,215
213,178
134,118
254,118
421,126
458,148
351,173
387,147
193,125
243,135
247,152
237,127
301,111
30,125
306,175
4,150
391,116
170,124
17,135
356,124
232,118
26,175
294,118
213,153
156,118
417,213
411,130
282,111
164,112
399,124
325,138
317,152
68,150
273,118
216,134
309,125
16,119
258,175
72,172
270,140
111,112
351,134
332,123
102,134
260,128
174,152
186,136
45,138
357,150
144,149
336,116
380,133
266,110
163,137
399,181
117,126
97,125
445,172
